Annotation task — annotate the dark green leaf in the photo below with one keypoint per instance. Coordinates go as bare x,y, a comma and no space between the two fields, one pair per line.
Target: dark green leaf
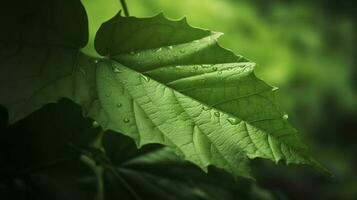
39,46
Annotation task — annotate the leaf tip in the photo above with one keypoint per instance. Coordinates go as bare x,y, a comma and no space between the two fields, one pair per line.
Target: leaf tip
184,20
160,15
216,35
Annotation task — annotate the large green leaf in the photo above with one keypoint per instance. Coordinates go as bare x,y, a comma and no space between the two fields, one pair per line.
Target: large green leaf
164,82
169,83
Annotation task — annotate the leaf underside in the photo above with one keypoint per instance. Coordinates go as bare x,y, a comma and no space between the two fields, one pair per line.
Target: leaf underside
37,50
163,82
169,83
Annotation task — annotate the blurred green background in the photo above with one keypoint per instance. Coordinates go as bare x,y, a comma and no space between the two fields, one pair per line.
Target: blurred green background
308,50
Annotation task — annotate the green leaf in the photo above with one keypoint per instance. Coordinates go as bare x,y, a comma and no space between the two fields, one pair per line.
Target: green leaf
36,157
172,84
39,47
157,173
164,82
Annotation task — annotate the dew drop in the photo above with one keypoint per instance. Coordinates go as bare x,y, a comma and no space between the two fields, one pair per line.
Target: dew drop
233,121
217,114
206,108
229,68
95,124
214,68
170,47
147,79
116,70
220,72
274,89
285,116
118,105
96,61
126,120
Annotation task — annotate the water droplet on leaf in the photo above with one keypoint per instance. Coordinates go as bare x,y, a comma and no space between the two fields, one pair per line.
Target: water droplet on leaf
147,79
119,105
206,108
214,68
285,116
116,70
217,114
126,120
233,121
95,124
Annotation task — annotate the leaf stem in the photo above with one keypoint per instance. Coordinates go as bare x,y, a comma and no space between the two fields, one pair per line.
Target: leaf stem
125,8
98,172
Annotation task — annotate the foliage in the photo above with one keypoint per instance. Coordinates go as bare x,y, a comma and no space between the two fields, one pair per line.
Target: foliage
159,81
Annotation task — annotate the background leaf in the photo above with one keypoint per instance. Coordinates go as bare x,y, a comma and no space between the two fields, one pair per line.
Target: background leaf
157,173
39,46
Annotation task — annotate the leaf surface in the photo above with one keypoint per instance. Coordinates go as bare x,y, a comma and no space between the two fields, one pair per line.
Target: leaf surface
39,46
169,83
161,82
156,173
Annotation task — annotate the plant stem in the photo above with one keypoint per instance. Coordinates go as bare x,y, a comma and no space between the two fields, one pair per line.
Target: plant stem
125,8
98,172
